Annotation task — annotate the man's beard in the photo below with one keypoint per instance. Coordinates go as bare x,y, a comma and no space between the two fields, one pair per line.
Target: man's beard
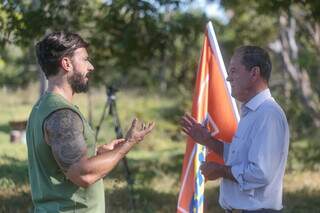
77,83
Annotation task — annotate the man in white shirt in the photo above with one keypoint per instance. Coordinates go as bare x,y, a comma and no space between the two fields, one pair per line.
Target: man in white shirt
252,177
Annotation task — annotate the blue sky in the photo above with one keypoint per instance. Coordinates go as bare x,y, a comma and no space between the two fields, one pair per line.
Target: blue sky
212,9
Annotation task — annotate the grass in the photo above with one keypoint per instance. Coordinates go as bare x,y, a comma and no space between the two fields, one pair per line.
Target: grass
155,164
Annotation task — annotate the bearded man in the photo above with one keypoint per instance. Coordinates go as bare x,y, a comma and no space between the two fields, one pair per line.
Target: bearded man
66,170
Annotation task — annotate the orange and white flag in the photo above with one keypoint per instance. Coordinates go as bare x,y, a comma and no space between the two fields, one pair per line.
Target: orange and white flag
212,105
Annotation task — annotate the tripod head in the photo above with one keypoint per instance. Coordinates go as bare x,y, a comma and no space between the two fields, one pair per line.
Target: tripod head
111,91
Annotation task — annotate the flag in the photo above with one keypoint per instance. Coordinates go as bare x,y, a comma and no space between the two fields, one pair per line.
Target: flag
213,106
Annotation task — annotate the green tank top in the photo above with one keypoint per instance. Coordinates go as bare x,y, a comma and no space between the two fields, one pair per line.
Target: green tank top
51,190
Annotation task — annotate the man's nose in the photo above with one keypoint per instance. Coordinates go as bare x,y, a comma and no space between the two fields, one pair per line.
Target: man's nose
228,78
91,67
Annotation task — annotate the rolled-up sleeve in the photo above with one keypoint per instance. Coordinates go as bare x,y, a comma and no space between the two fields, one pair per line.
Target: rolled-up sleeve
265,153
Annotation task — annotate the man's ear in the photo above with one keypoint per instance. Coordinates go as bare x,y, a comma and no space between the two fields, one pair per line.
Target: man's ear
66,64
255,73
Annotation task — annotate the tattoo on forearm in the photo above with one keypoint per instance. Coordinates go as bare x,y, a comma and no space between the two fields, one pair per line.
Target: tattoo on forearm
64,133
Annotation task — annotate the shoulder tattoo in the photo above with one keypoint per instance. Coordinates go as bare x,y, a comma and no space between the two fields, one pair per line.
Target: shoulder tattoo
63,131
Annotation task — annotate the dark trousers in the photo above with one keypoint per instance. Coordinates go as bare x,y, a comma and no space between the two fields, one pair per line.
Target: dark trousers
262,211
254,211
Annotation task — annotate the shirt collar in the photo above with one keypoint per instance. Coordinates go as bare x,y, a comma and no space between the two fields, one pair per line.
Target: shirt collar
257,100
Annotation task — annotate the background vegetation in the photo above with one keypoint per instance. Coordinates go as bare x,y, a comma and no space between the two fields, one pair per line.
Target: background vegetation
149,50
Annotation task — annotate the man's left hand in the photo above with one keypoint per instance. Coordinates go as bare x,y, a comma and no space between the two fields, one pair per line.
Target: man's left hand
212,171
137,132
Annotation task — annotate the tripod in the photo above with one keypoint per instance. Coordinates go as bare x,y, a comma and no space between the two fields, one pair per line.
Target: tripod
111,104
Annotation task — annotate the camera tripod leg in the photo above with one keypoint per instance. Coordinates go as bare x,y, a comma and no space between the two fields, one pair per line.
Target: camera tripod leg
117,127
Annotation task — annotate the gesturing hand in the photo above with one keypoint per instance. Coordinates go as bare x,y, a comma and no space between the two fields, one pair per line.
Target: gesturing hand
196,131
137,132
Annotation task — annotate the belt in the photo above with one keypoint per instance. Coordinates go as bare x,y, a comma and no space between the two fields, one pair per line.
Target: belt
233,211
253,211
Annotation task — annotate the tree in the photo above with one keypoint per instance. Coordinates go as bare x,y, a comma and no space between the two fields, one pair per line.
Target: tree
24,22
134,43
290,29
142,44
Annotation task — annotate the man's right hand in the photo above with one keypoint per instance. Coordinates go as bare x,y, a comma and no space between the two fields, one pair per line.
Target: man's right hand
137,132
195,130
110,146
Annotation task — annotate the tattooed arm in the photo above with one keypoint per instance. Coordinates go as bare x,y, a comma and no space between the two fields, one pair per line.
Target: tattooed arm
64,133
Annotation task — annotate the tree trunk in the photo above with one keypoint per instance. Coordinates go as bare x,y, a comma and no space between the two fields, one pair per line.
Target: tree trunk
289,52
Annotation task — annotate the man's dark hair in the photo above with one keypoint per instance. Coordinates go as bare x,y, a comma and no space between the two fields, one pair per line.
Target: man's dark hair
53,47
252,56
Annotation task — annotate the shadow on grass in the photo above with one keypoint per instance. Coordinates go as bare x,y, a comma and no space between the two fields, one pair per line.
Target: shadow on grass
15,170
19,203
144,171
116,200
13,175
302,201
5,128
294,202
145,201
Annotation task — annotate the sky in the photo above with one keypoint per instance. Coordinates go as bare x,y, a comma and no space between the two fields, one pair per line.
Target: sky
212,9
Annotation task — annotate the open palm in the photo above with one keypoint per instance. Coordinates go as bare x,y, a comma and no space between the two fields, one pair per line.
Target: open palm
137,132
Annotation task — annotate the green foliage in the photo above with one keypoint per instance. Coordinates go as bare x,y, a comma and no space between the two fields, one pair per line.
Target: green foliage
17,66
144,46
133,43
258,23
28,20
248,25
305,153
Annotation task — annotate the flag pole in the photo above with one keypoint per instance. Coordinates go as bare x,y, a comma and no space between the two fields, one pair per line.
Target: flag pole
216,49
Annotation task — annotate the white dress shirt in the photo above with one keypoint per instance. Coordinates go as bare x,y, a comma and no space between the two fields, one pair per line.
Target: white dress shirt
257,156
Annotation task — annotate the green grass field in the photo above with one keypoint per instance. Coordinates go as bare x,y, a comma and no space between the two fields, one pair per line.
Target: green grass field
155,163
